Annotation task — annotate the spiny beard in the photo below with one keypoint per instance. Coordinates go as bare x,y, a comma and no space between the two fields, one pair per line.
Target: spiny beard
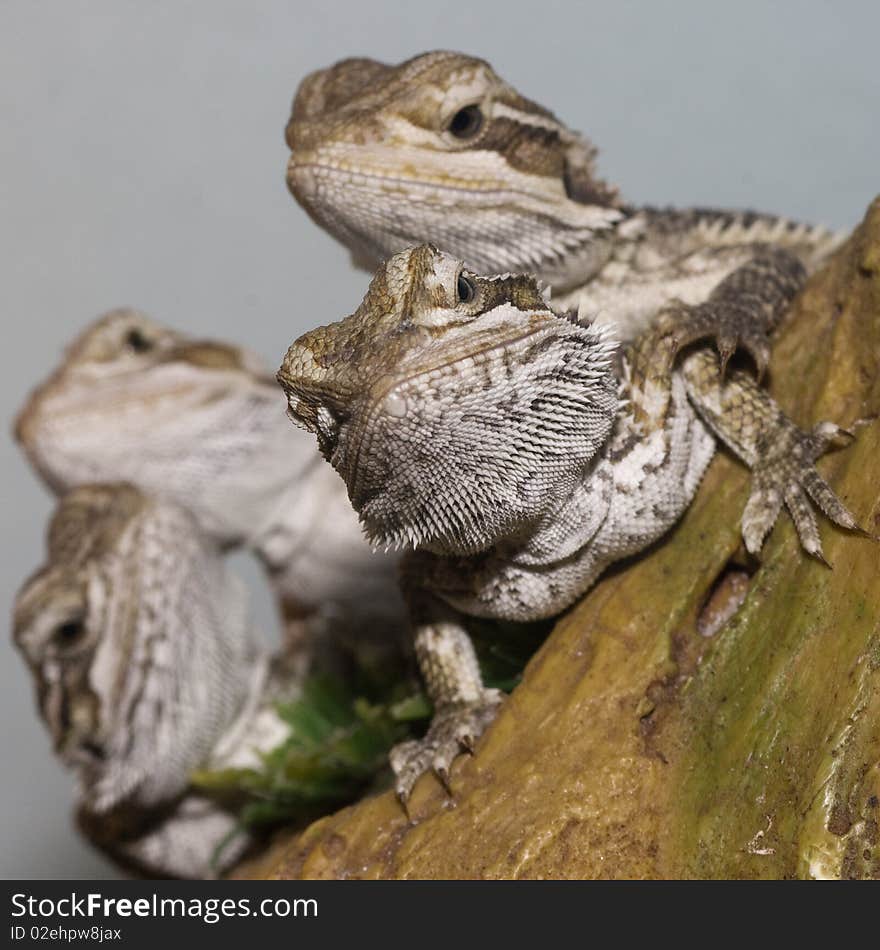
472,465
489,238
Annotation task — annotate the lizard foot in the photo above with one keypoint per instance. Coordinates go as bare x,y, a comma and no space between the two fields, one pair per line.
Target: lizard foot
454,729
785,473
731,324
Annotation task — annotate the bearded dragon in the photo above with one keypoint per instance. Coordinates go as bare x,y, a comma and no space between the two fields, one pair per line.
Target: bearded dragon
201,423
516,454
146,667
440,149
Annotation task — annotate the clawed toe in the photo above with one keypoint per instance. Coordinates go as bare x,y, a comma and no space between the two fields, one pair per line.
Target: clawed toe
453,730
728,326
729,338
787,475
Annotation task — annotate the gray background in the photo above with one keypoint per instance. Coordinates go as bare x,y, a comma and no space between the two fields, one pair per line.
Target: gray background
142,162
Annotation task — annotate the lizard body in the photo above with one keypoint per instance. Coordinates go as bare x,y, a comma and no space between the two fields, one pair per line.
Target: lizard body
516,455
201,423
146,667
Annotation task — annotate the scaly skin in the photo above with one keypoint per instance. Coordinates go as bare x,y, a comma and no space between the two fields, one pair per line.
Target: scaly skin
507,448
440,149
146,667
201,423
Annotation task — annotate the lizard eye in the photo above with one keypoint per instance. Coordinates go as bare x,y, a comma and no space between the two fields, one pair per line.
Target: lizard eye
137,342
69,633
467,122
466,289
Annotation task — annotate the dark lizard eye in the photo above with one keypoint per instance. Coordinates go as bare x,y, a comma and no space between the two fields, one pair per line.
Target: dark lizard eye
467,122
69,633
466,289
136,341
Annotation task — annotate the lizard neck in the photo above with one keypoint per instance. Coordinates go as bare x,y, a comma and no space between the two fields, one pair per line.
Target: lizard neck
573,522
650,239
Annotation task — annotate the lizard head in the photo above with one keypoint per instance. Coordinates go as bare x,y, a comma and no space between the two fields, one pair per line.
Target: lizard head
138,643
457,408
191,420
440,148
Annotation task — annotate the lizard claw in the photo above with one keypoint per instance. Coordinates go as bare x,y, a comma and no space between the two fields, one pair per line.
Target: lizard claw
467,743
786,474
730,326
454,728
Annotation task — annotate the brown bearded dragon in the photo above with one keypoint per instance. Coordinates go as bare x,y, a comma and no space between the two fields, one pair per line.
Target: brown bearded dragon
201,423
440,149
516,455
146,667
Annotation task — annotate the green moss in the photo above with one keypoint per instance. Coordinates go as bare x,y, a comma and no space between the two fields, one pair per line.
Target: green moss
342,729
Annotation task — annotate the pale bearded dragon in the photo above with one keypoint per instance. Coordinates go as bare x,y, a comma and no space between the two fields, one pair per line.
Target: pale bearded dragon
516,455
201,423
146,667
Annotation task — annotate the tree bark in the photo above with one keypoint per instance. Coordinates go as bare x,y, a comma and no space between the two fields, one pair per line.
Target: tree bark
650,737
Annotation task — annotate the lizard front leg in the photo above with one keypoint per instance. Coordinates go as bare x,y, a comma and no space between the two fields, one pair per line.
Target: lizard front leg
780,454
463,706
745,418
743,308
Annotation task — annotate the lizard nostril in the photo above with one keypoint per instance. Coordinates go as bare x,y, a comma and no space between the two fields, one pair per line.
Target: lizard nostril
94,749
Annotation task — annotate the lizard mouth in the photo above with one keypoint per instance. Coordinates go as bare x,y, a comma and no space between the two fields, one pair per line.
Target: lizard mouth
306,173
75,735
86,753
